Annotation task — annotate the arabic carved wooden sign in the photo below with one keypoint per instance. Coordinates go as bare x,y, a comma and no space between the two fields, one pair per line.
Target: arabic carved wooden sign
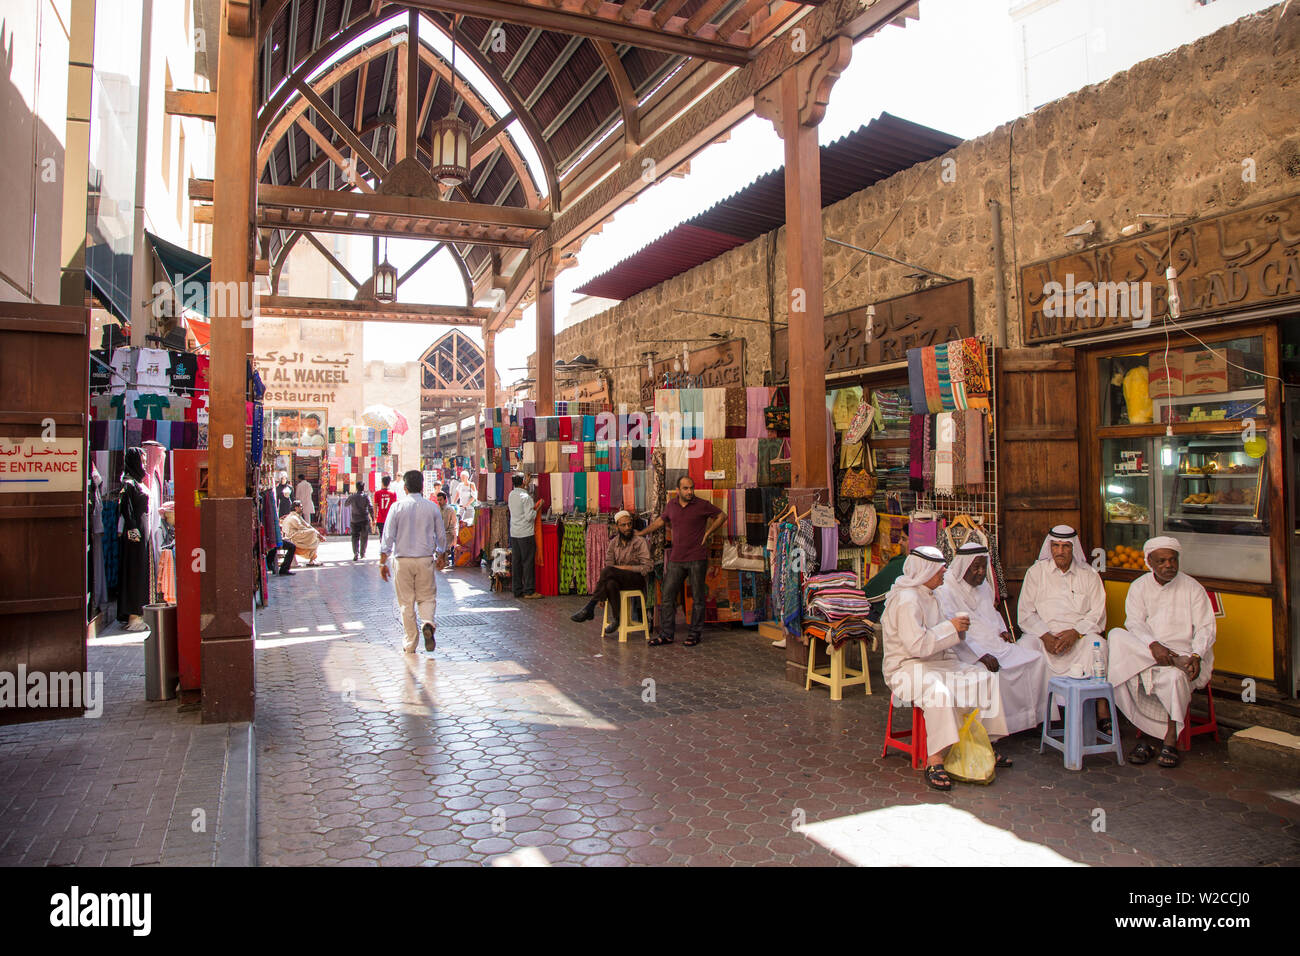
597,390
1248,257
929,317
717,366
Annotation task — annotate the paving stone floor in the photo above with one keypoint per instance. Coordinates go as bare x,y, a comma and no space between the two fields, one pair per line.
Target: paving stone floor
120,789
526,738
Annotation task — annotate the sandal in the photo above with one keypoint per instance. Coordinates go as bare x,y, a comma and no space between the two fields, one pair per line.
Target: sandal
1001,761
1106,726
659,642
690,642
1168,757
1142,753
936,778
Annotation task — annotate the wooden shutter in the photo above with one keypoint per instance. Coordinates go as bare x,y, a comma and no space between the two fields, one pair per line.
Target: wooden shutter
44,376
1038,452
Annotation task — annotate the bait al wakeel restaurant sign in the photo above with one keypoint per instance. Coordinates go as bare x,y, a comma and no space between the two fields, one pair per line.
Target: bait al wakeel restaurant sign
1242,259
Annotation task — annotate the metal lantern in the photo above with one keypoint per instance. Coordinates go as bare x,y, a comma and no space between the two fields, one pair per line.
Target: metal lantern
449,155
386,281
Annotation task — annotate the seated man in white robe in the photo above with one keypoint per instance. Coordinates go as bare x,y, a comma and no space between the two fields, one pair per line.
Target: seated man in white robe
1164,651
1021,670
1062,611
920,664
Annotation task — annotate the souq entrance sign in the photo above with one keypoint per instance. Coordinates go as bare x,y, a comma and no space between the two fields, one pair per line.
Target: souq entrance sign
1238,260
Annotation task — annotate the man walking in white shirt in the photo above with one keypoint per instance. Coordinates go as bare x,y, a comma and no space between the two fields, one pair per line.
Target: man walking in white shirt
304,493
415,535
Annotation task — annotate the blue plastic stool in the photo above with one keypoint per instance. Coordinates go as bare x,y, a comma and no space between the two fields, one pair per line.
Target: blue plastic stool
1080,720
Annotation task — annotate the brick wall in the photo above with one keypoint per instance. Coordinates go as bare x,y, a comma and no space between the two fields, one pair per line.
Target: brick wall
1170,134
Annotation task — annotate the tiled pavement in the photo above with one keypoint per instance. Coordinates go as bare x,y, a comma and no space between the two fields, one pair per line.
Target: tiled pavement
527,731
121,789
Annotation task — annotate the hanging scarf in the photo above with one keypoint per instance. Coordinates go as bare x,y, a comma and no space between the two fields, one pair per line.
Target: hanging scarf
724,459
976,447
927,454
976,373
756,401
714,402
736,412
958,451
830,548
747,462
957,373
930,369
916,380
593,492
945,381
943,458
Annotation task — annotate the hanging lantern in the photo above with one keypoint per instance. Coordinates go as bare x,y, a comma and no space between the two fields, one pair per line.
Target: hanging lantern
386,281
449,155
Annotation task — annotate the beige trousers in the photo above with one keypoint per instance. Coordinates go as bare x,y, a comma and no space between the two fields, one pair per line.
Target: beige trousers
416,588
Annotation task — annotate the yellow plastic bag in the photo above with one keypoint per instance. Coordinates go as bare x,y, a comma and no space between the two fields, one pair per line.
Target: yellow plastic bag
1137,396
971,758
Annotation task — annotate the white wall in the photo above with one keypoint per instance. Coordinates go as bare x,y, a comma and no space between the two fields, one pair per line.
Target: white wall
33,111
1064,45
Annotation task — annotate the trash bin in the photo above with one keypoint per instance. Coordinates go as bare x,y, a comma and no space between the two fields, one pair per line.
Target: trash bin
161,661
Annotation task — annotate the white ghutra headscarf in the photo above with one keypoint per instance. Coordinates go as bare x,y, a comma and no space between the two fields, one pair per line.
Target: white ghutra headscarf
955,581
1063,532
921,565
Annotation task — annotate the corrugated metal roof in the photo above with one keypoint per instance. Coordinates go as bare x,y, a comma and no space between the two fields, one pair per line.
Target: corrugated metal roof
876,151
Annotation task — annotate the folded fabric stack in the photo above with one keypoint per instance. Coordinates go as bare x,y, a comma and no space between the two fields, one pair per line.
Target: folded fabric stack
834,596
850,628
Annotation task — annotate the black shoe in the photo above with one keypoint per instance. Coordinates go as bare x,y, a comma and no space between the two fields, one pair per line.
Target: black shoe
285,574
354,557
584,614
611,629
429,642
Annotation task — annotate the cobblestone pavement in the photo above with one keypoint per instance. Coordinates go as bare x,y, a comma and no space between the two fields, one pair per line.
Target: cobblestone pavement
117,790
525,730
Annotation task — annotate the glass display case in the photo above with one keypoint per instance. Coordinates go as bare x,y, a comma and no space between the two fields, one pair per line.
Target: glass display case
1205,490
1126,500
1214,500
1170,386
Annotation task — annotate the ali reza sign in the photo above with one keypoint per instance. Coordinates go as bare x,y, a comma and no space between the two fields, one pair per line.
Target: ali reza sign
929,317
1241,259
717,366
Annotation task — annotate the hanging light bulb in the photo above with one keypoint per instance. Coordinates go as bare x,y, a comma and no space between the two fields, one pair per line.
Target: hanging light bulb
449,152
1174,303
386,279
871,322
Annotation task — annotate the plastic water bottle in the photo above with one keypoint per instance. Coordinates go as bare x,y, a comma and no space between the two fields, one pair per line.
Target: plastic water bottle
1098,661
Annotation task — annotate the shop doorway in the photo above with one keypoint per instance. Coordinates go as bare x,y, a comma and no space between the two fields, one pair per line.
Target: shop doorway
1291,433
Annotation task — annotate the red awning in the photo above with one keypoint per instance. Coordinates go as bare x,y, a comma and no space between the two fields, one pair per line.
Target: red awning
202,331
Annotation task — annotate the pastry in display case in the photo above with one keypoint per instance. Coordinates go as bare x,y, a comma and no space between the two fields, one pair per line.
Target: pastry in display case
1126,499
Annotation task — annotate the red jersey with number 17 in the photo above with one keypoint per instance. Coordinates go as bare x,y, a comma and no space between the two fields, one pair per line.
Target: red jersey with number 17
383,501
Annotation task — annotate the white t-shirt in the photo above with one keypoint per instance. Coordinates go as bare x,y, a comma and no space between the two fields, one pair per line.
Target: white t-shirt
153,369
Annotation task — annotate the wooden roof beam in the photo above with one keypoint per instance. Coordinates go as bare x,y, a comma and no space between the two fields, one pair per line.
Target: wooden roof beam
640,31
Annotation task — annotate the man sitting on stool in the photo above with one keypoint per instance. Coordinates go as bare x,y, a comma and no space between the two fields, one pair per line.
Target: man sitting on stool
626,564
1164,651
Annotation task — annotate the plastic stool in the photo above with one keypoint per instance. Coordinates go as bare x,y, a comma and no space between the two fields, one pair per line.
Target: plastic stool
1080,720
1194,728
625,625
837,675
916,748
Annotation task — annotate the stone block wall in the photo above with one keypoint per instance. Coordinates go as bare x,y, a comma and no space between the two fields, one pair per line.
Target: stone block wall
1169,135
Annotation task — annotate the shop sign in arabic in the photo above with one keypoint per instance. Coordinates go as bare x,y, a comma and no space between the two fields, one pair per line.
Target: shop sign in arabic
929,317
597,390
292,368
36,465
1249,257
717,366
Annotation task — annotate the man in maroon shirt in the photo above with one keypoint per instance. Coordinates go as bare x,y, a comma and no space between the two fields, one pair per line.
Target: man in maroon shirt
692,520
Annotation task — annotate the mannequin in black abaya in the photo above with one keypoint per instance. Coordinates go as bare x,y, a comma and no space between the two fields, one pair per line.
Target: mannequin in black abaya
133,574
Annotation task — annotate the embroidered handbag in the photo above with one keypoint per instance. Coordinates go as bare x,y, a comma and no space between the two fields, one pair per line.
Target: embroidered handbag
862,529
777,418
779,467
857,483
861,423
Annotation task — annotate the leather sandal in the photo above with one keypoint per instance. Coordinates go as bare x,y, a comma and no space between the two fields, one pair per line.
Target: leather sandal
936,778
1142,753
1169,758
659,641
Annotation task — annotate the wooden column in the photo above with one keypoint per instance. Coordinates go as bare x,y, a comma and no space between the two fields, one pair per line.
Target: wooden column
795,105
489,370
226,522
408,100
544,273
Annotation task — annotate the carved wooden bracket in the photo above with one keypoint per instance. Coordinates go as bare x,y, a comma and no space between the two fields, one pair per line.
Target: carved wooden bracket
812,77
241,19
545,267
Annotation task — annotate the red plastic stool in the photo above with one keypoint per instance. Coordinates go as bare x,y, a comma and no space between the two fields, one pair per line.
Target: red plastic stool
1192,728
916,747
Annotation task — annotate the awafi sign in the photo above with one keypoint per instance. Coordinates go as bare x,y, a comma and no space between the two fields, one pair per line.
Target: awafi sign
930,317
1243,259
